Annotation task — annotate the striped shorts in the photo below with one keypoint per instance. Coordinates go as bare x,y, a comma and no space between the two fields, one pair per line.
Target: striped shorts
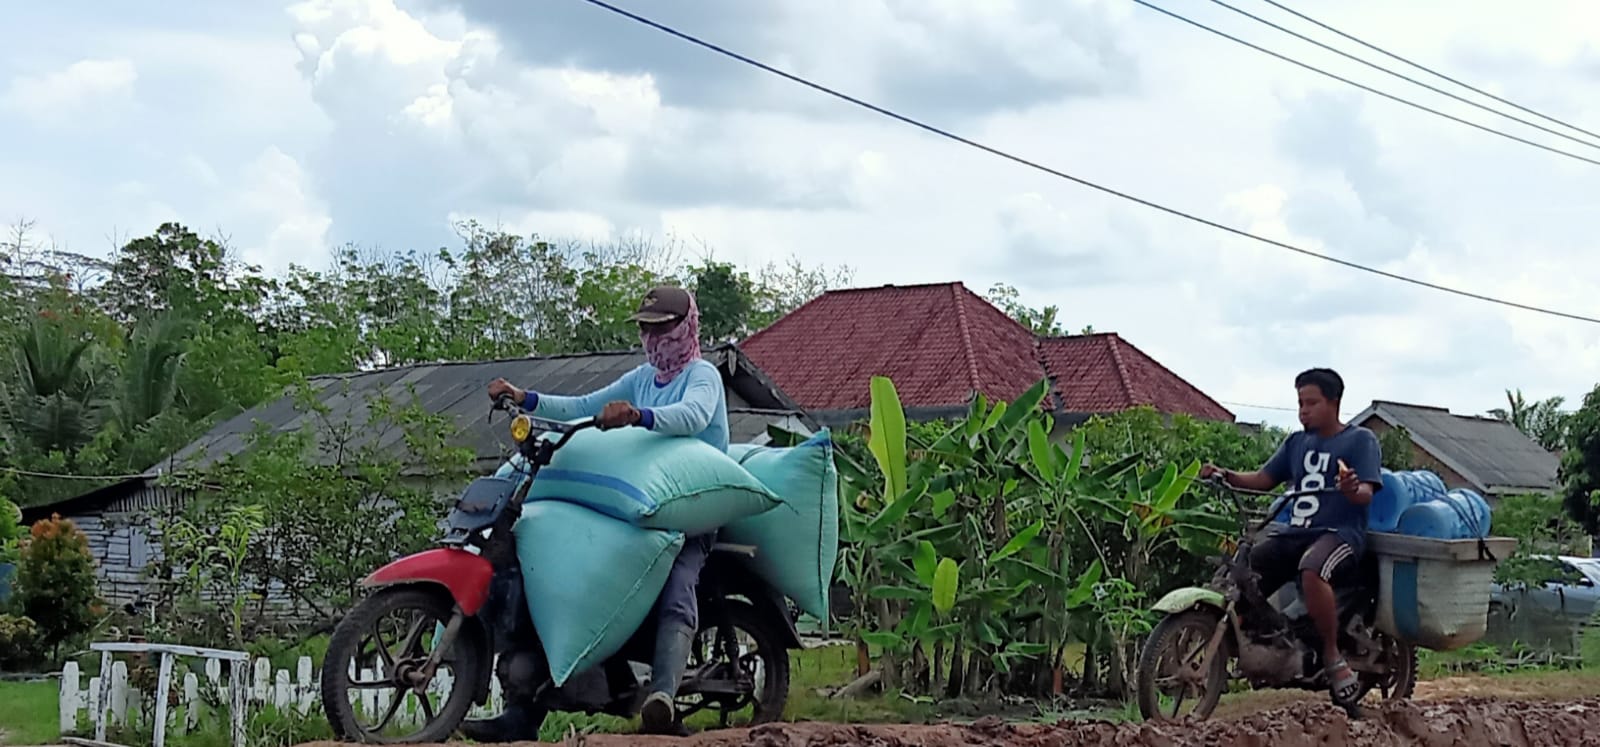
1282,558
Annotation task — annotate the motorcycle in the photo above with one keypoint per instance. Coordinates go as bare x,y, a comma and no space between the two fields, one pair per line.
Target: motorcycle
1229,630
440,623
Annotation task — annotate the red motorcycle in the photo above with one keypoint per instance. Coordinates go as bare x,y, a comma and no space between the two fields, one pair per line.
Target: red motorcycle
410,660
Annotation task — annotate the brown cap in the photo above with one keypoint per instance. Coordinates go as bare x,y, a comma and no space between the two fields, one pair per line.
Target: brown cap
664,303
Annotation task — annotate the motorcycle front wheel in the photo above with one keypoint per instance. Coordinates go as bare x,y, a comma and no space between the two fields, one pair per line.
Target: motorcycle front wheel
374,686
1172,670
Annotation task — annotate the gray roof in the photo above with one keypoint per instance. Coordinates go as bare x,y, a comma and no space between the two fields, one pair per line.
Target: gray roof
456,390
1490,453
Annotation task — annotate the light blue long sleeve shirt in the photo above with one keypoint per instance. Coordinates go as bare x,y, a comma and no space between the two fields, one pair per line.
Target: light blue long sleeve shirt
692,404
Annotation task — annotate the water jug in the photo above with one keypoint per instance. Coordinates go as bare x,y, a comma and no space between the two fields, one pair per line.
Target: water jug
1392,500
1459,514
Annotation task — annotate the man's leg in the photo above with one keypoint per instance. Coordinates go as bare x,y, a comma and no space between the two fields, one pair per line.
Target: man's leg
677,619
1327,559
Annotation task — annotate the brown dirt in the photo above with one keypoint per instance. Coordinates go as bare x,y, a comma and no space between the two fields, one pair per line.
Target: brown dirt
1445,723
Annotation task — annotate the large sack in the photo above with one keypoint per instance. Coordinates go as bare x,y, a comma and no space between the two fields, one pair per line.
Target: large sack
797,542
590,580
655,481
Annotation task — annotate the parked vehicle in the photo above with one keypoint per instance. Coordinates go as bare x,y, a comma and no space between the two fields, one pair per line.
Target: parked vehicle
1230,630
1536,615
451,611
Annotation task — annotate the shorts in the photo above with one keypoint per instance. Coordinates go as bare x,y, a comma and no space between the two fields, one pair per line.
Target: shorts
1281,558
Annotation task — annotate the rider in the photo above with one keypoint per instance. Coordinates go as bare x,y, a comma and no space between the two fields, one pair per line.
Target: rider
1326,529
678,393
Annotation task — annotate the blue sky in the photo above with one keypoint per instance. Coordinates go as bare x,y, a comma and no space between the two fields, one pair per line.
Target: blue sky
291,128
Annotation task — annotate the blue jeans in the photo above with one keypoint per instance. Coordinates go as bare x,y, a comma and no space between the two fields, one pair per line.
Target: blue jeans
678,604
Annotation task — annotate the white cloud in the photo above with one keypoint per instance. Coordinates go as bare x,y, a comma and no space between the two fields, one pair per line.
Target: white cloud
382,121
81,89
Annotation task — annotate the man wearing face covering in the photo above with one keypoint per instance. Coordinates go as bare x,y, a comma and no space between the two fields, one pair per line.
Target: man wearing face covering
677,393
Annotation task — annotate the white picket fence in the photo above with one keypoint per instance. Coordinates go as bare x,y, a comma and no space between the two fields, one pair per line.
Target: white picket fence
300,693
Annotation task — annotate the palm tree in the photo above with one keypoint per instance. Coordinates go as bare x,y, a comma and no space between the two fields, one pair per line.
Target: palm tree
1542,421
149,374
49,402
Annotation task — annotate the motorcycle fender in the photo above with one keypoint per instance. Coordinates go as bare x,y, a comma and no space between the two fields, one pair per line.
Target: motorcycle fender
463,574
1179,600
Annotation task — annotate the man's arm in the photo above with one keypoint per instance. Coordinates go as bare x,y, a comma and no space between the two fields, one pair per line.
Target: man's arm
586,406
1363,476
692,414
1272,474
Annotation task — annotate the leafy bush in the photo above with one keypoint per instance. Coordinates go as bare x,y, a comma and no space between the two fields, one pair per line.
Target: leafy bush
19,642
978,551
56,582
11,531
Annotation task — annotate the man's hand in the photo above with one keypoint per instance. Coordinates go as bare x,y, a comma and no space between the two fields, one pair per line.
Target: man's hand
502,388
1349,483
1212,471
617,415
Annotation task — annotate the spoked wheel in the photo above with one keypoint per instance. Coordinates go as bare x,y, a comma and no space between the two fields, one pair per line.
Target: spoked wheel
375,684
1401,679
1173,672
740,674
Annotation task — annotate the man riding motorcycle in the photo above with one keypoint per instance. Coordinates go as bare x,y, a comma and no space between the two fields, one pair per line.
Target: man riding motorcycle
678,393
1325,532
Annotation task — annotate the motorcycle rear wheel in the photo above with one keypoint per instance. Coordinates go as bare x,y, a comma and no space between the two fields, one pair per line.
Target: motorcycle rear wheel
1401,680
1174,645
348,650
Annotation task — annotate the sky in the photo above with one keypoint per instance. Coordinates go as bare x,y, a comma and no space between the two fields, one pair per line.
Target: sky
292,128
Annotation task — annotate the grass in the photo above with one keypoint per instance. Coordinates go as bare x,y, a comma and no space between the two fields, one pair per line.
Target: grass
31,713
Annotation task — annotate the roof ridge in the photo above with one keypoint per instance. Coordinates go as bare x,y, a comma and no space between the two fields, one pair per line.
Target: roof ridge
891,286
1121,366
966,335
1174,374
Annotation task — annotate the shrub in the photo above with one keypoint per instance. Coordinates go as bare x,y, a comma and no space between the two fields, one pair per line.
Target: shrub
56,582
19,642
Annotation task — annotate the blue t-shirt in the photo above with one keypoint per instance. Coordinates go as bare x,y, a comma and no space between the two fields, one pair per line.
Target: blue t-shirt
692,404
1307,461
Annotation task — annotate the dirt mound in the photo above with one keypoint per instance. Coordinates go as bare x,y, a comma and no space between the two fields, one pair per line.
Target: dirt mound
1454,723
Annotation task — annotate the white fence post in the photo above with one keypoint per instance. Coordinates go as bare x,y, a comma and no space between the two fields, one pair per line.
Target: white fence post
306,677
71,698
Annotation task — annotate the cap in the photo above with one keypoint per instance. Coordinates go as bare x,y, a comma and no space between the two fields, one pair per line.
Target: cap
664,303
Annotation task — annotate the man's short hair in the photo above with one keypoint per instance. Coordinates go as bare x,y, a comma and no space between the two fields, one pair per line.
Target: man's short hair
1325,380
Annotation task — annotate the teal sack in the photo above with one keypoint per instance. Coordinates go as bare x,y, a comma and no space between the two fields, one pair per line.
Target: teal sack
655,481
797,543
590,580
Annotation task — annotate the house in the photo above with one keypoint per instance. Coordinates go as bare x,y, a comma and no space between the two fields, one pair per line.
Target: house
941,344
1487,455
116,518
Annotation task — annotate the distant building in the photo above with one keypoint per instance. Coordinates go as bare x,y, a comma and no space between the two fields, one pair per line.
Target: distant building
1487,455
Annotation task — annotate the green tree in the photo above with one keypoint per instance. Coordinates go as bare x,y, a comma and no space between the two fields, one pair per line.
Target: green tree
1542,421
780,289
1043,321
1580,464
1398,453
727,300
56,582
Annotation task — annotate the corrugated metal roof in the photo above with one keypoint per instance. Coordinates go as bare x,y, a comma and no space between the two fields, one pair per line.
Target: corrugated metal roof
456,390
1491,453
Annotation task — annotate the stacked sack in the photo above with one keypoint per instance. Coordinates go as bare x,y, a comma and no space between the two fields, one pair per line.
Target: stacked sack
604,521
797,543
601,526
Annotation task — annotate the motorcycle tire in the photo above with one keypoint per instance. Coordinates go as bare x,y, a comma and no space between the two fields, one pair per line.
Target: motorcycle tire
465,661
1405,679
1166,635
774,694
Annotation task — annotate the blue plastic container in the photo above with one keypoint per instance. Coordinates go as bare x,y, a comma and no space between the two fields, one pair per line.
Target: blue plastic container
1392,500
1458,514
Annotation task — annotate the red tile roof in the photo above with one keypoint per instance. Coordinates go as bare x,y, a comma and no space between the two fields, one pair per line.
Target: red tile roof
941,343
1105,373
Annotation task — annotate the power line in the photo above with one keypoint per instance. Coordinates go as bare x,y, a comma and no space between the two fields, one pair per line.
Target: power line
1076,179
60,476
1365,87
1405,77
1427,69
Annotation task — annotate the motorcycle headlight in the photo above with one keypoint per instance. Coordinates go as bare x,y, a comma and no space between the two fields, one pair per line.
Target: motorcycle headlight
521,427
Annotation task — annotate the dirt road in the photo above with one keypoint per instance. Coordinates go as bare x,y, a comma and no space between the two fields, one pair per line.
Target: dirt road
1443,723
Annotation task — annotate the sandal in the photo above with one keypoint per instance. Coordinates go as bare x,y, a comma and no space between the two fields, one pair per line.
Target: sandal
1343,682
